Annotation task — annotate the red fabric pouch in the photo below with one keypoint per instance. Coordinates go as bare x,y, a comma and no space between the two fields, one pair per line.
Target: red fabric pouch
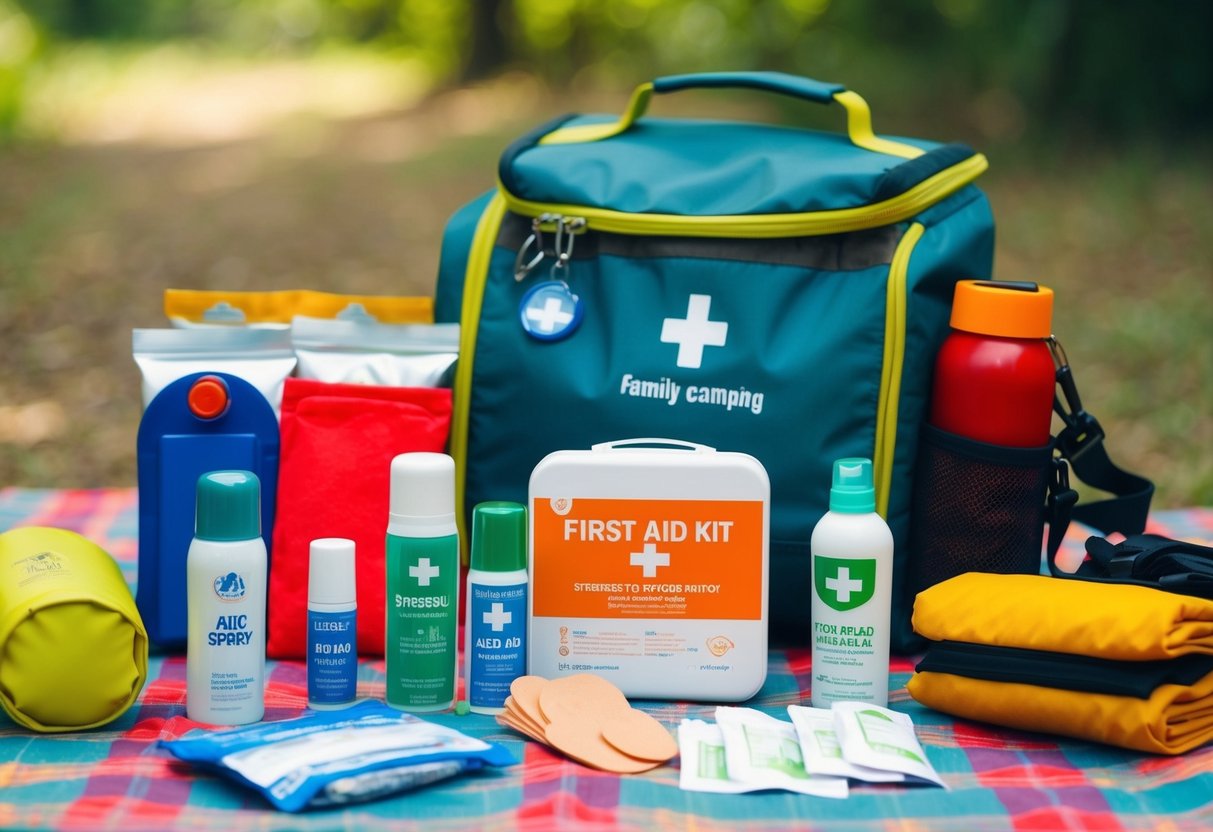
338,441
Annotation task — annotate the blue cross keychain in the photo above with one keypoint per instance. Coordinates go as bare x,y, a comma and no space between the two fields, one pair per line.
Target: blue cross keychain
549,311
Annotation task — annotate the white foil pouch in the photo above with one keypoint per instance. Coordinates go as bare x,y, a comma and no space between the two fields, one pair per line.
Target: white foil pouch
262,357
365,352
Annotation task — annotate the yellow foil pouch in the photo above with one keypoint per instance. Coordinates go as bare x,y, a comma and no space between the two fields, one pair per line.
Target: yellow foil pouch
189,308
73,650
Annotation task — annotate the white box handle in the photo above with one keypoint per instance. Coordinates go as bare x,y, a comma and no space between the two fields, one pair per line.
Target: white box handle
635,443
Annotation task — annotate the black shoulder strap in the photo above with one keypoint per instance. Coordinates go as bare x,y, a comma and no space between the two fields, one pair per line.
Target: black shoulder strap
1080,446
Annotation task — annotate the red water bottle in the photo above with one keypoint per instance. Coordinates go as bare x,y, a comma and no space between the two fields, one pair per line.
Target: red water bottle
994,375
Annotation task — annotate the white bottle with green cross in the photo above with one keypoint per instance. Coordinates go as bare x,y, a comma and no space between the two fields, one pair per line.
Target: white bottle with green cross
852,555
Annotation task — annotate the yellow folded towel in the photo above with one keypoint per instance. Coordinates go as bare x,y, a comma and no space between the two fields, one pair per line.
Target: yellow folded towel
1175,719
1109,621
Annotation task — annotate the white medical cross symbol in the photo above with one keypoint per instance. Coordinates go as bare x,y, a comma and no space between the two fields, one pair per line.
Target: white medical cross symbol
498,617
550,316
843,585
423,572
650,559
694,332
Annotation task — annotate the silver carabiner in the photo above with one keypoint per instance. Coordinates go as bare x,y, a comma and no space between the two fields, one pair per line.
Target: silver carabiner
523,267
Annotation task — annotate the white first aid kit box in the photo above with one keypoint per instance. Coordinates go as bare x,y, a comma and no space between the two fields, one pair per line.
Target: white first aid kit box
648,567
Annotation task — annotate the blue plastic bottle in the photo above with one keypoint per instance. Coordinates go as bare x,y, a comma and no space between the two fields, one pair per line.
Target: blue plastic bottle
199,423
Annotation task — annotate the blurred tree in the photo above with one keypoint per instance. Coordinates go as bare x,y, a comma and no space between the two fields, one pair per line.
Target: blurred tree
491,25
1126,67
20,45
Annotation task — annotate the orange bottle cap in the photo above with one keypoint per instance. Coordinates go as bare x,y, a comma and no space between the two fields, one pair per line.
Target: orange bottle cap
208,397
1003,308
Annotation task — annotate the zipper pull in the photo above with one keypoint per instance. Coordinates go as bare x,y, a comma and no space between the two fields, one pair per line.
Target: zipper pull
566,230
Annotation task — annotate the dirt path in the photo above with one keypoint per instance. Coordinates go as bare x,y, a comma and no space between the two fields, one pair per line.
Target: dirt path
93,234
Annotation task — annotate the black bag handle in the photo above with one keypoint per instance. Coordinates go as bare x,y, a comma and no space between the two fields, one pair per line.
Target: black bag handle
1150,560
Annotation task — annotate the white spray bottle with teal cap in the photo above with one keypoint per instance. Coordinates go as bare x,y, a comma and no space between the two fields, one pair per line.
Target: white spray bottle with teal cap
852,553
225,579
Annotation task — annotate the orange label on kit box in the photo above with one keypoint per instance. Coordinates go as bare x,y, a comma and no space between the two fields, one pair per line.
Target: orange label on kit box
604,558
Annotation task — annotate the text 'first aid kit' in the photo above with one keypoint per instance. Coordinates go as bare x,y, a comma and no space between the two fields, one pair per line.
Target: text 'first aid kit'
649,569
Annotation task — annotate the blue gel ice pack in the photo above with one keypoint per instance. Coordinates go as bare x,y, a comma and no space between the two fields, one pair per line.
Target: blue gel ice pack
201,422
331,758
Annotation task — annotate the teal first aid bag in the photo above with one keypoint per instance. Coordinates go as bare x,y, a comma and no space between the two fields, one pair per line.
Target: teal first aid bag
773,290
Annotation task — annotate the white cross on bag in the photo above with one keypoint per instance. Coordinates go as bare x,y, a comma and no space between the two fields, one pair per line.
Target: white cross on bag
694,332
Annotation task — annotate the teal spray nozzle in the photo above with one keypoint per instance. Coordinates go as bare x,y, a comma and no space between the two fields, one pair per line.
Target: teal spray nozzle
852,491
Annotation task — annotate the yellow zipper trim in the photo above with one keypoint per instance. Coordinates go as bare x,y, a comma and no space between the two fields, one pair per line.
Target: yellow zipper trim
583,133
474,279
890,373
859,129
837,221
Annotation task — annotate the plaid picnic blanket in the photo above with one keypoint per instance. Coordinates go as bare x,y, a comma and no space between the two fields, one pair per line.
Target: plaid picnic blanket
116,777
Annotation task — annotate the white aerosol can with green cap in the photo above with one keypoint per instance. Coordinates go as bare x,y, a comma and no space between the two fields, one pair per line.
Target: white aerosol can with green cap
422,560
852,555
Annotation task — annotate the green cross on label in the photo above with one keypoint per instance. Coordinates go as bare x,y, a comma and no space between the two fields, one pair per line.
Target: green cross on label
844,583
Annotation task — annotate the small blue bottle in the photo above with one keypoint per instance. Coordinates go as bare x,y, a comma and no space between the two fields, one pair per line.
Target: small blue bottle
332,625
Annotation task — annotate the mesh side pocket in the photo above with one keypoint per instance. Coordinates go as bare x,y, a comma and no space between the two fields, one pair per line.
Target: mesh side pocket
976,508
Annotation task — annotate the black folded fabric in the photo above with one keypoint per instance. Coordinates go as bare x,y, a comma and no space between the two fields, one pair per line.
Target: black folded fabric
1066,671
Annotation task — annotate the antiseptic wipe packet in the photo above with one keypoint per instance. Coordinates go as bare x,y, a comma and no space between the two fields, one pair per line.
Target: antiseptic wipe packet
338,757
881,738
763,751
701,755
822,751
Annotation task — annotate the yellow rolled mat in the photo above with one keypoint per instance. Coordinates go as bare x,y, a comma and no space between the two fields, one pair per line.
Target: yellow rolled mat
73,649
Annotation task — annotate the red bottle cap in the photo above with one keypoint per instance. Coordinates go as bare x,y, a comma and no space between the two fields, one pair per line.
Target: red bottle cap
208,398
1007,310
